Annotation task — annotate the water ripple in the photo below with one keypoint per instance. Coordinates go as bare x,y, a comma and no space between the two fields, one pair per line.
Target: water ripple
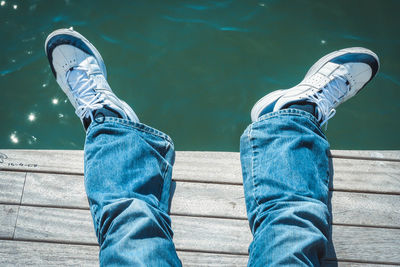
213,5
235,29
357,38
250,15
63,18
390,78
17,67
201,21
110,40
196,7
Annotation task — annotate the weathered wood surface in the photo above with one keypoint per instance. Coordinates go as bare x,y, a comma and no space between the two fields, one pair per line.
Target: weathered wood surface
11,185
22,253
213,235
8,219
224,167
213,200
45,220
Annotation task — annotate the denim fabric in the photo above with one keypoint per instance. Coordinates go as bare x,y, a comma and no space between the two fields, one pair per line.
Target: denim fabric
285,165
128,168
284,157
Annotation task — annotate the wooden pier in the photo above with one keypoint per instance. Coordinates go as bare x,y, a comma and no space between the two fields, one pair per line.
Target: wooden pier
45,218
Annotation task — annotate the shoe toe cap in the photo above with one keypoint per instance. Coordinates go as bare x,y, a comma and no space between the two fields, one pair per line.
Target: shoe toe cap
359,64
65,57
66,44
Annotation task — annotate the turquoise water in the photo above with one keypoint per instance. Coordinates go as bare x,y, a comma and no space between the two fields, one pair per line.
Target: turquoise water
193,69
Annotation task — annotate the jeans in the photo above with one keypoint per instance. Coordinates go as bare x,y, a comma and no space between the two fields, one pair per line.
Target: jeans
284,157
285,166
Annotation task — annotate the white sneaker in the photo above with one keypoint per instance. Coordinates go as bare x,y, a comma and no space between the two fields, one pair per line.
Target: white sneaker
331,81
80,71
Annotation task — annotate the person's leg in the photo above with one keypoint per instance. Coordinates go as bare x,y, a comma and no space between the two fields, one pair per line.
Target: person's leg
128,165
284,156
128,169
285,167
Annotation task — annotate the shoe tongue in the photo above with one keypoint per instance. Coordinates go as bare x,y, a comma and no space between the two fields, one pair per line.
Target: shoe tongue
341,84
78,80
86,74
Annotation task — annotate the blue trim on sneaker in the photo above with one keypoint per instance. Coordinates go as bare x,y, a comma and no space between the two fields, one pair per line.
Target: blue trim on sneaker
61,39
268,109
358,57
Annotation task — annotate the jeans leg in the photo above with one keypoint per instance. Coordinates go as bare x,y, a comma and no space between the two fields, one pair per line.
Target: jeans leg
284,157
128,168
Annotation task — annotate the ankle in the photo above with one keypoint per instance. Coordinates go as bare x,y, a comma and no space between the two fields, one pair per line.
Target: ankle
306,106
99,115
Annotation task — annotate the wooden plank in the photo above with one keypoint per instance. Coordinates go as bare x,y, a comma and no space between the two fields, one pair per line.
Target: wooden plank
219,167
57,161
366,209
19,253
391,155
8,217
71,161
75,226
11,186
354,264
195,259
55,190
213,235
58,225
349,174
22,253
366,176
198,199
366,244
214,200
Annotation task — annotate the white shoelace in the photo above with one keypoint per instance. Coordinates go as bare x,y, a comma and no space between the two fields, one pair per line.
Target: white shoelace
328,97
82,87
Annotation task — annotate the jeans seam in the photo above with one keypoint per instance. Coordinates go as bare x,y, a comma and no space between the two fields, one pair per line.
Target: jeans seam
252,165
161,203
165,167
166,161
252,181
98,230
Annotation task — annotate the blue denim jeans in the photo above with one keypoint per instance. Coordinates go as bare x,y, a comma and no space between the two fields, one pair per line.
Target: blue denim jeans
284,156
128,168
285,166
